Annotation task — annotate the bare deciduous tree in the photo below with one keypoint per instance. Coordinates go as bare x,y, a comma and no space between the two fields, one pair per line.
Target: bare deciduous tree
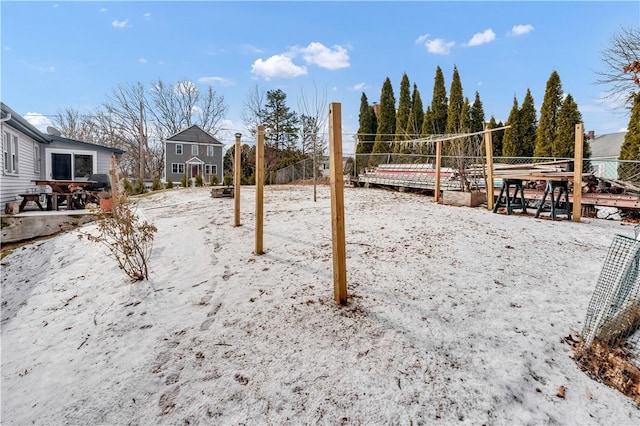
253,111
620,58
314,122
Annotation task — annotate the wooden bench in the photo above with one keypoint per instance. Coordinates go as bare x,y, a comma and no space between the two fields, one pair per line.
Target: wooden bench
31,197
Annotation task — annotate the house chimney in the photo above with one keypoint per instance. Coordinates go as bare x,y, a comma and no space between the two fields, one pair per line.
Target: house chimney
592,135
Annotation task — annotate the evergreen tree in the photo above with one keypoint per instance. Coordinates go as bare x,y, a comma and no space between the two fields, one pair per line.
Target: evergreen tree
477,115
547,127
565,140
465,117
439,106
528,126
454,113
386,119
404,109
427,126
280,123
496,137
510,142
366,131
630,149
416,118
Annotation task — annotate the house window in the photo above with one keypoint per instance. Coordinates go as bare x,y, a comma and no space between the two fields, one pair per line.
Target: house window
36,157
209,151
210,169
10,153
14,153
177,168
179,149
66,164
194,149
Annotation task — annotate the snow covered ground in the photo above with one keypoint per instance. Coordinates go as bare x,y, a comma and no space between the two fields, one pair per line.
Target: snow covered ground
455,315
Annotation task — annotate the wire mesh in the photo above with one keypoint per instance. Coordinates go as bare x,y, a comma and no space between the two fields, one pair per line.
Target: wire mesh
611,338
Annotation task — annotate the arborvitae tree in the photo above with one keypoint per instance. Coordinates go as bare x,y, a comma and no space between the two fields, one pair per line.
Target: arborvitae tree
547,127
496,137
404,109
465,117
510,142
386,119
528,126
416,118
477,115
439,106
630,149
565,140
427,126
456,101
366,131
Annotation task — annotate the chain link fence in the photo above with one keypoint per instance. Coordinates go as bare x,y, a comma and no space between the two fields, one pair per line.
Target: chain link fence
302,170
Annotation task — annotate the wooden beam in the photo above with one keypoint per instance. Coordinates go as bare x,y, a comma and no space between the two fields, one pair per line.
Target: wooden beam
577,172
337,204
488,146
236,180
436,191
259,189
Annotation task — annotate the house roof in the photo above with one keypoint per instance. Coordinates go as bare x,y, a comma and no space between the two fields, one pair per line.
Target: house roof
194,134
19,123
607,146
53,138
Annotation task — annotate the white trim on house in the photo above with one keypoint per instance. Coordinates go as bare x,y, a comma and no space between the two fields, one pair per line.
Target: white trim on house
49,151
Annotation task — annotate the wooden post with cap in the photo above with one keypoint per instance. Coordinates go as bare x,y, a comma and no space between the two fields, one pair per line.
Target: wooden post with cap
236,180
337,204
259,189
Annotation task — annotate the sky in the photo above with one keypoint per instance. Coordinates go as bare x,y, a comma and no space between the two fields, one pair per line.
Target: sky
69,54
455,315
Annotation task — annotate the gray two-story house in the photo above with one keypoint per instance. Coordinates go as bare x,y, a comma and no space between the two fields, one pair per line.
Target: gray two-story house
193,152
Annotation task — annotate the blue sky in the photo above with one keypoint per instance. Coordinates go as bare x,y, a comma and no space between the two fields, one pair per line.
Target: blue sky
71,54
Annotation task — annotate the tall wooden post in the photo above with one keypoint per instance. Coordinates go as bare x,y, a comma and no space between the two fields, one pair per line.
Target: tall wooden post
236,180
259,189
488,146
436,190
337,204
577,173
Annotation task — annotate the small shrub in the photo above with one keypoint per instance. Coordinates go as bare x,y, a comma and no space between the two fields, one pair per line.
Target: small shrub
140,188
156,185
184,181
169,183
199,180
127,187
214,181
228,178
129,241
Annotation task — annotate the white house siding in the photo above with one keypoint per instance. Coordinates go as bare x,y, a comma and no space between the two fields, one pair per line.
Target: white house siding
21,182
102,155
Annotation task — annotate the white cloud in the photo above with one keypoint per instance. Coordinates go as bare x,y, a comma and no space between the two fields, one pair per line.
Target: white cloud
358,87
147,16
249,48
422,39
38,120
103,9
439,46
220,80
120,24
518,30
318,54
487,36
277,66
142,60
7,48
55,5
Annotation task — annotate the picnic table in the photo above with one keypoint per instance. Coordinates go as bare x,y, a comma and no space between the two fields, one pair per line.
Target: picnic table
74,193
